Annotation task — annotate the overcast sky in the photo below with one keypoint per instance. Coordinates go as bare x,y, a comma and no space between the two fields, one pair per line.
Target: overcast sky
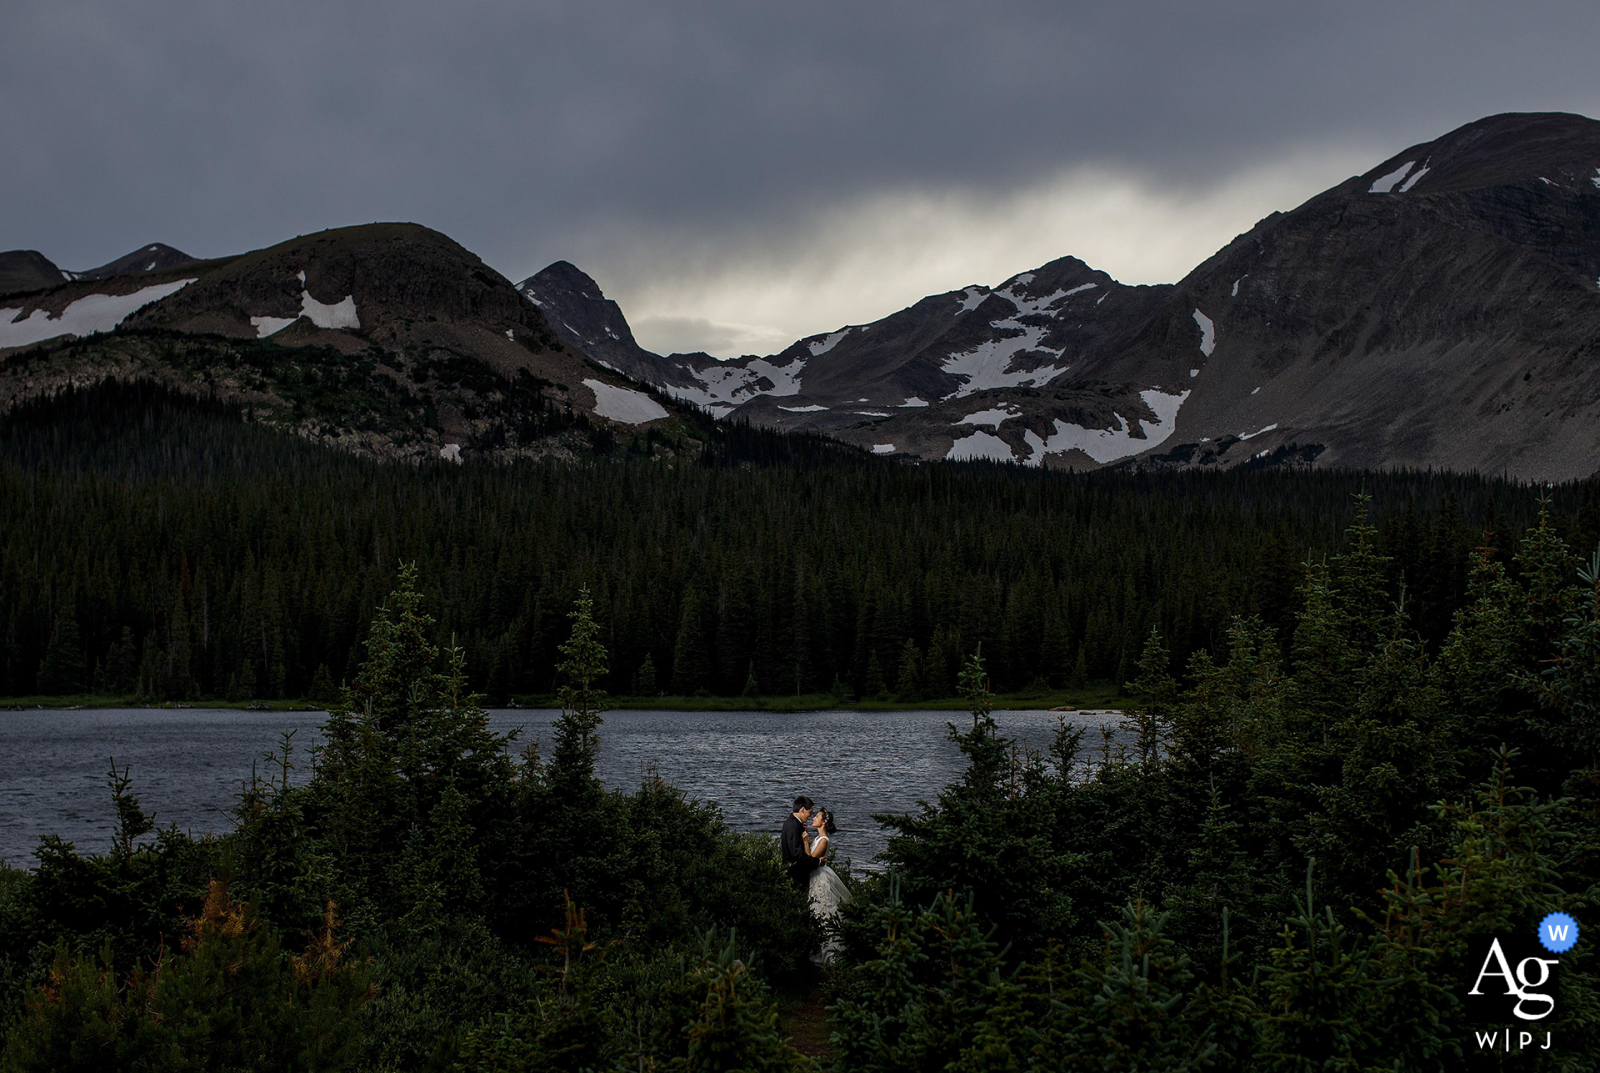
740,174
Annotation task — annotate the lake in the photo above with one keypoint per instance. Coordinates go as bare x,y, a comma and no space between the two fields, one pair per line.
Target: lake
188,764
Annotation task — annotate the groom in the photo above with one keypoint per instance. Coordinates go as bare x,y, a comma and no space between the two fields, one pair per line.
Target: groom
796,861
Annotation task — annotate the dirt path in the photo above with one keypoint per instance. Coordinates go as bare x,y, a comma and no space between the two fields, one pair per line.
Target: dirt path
805,1020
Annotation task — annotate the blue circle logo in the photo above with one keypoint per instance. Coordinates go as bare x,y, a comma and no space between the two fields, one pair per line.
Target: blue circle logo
1558,932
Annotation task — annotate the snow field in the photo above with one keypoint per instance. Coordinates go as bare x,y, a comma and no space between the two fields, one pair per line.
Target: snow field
624,405
990,417
341,314
89,315
1102,445
1385,185
823,346
980,445
971,298
1208,334
1412,181
725,386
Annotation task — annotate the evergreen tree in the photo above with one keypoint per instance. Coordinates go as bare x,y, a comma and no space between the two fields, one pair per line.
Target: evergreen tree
874,686
644,682
322,687
582,668
691,664
908,682
1571,685
1157,691
63,670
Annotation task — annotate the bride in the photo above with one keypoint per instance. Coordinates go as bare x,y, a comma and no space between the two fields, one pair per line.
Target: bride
826,891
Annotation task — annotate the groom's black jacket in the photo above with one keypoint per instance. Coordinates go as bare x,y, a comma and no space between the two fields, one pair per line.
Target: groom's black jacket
795,858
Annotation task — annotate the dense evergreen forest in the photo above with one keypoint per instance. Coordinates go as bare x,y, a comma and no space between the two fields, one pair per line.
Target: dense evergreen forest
157,549
1284,873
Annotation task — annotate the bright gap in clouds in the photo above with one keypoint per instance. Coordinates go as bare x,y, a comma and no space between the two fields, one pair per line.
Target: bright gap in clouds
755,293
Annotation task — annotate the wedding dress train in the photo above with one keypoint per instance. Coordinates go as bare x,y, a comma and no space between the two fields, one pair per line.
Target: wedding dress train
826,893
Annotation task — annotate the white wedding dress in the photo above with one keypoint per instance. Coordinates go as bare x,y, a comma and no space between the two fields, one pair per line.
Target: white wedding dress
826,893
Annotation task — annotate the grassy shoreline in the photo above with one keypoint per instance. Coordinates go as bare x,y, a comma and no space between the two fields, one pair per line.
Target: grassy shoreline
1103,695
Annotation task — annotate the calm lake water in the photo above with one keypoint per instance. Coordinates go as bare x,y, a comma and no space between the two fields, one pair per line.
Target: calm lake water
188,764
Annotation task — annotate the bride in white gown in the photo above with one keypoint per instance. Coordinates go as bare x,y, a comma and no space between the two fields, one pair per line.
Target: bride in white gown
826,891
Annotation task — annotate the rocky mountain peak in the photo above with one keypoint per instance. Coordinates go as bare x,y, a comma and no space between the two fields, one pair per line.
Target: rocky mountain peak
156,257
28,270
581,314
1555,149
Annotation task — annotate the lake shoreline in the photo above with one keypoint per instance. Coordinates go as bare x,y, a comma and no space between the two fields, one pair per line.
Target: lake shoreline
188,766
1094,698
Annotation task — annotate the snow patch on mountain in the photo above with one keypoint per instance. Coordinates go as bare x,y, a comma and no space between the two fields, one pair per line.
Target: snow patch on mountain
1386,184
1412,181
1257,432
1026,305
624,405
971,299
980,445
821,347
785,379
994,417
725,386
1208,334
340,314
913,402
1109,444
803,409
883,448
89,315
988,365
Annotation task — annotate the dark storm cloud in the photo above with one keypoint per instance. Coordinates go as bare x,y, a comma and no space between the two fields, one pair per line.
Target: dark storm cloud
531,131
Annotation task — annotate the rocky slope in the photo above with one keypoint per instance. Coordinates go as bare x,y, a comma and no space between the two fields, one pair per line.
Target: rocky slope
1441,309
388,339
28,270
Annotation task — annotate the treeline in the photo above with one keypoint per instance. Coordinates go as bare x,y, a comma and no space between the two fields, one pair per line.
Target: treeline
161,549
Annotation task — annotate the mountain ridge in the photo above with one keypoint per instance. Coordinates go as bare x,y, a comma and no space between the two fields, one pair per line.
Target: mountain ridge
385,339
1439,309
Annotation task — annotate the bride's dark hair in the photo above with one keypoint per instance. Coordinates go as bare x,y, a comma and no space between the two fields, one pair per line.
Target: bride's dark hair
827,821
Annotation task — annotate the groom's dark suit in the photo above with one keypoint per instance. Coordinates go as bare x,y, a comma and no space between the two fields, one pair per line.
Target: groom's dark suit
796,861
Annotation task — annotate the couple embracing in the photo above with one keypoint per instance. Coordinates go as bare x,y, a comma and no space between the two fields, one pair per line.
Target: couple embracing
805,857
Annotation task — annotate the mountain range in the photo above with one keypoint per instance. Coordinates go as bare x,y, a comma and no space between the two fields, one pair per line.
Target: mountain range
385,339
1441,309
